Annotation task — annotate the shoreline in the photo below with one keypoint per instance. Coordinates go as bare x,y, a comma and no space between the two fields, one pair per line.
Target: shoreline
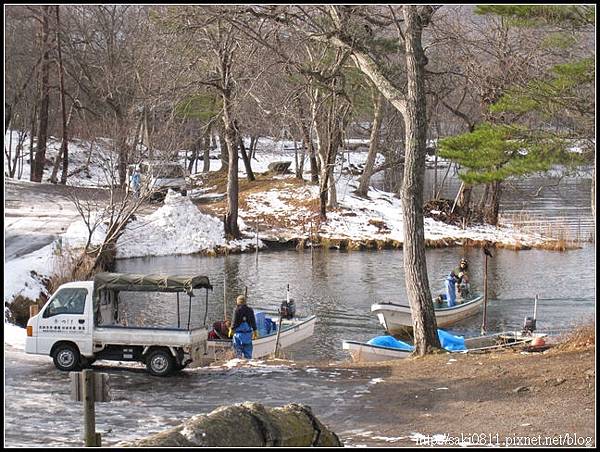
454,399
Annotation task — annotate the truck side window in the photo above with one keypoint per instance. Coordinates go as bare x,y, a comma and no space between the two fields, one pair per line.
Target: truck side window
67,301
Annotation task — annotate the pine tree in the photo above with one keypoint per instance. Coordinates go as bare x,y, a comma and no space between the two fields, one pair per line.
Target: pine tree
559,104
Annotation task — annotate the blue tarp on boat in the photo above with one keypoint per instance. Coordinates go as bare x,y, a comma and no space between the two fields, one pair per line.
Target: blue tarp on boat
447,341
392,342
450,342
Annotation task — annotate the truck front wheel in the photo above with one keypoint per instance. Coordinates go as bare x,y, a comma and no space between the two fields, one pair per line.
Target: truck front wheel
66,357
160,363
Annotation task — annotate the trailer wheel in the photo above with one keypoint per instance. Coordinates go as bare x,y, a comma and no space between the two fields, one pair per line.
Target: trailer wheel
66,357
160,362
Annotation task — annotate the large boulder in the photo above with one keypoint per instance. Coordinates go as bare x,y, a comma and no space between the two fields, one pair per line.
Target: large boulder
246,425
279,167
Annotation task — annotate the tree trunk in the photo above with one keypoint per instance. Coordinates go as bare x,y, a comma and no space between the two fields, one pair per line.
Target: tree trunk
37,169
492,206
300,167
18,152
593,190
332,196
8,155
230,222
123,149
464,201
32,134
224,145
415,267
323,180
314,171
206,157
195,148
253,141
245,158
314,164
483,199
363,187
64,147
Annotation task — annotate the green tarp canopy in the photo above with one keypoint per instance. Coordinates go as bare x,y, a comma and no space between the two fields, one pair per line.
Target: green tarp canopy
150,283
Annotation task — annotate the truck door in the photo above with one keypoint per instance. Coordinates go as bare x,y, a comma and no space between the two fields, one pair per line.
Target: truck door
66,317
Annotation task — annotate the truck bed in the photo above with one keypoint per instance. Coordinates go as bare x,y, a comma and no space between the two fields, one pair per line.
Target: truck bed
128,335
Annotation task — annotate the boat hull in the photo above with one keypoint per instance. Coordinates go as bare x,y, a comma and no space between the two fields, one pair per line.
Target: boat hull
363,352
397,319
292,332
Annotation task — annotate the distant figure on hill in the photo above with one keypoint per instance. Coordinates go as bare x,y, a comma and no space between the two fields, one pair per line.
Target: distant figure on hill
136,181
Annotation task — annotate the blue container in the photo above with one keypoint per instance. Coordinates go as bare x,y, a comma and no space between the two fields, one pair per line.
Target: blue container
260,316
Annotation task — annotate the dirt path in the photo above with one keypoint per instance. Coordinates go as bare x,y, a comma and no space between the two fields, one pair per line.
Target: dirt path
508,398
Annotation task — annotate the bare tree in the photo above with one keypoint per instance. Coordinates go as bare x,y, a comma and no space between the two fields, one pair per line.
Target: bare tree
38,163
363,186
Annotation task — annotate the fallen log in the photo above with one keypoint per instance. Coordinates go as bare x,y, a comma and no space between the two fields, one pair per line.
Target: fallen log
247,424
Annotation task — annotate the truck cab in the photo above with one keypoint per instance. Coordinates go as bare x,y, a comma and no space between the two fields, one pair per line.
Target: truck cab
63,327
80,323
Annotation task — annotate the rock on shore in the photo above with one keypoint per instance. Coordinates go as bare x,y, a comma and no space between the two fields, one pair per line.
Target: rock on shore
246,425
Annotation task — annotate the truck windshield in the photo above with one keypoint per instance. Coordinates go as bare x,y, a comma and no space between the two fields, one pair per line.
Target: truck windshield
67,301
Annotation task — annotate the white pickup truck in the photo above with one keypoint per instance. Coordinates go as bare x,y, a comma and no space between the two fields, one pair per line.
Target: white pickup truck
80,324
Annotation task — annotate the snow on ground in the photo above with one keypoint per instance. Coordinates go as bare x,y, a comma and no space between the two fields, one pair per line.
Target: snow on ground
377,218
101,168
14,336
178,227
20,273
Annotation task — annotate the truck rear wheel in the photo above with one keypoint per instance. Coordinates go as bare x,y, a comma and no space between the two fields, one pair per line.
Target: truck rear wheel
160,363
66,357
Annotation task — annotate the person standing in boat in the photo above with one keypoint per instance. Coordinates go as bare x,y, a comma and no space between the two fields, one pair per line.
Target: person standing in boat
243,328
462,275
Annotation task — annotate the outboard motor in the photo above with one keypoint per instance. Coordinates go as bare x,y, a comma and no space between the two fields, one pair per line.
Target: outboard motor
529,326
287,309
529,323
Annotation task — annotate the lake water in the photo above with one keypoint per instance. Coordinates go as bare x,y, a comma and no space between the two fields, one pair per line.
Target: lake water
339,288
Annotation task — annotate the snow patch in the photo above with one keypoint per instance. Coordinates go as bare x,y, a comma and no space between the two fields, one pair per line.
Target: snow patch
14,336
178,227
22,276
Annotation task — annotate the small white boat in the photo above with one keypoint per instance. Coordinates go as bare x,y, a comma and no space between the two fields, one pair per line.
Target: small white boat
292,332
397,318
363,352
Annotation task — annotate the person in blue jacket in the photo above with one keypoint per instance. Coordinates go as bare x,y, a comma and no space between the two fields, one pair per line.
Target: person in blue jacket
243,328
136,181
451,281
